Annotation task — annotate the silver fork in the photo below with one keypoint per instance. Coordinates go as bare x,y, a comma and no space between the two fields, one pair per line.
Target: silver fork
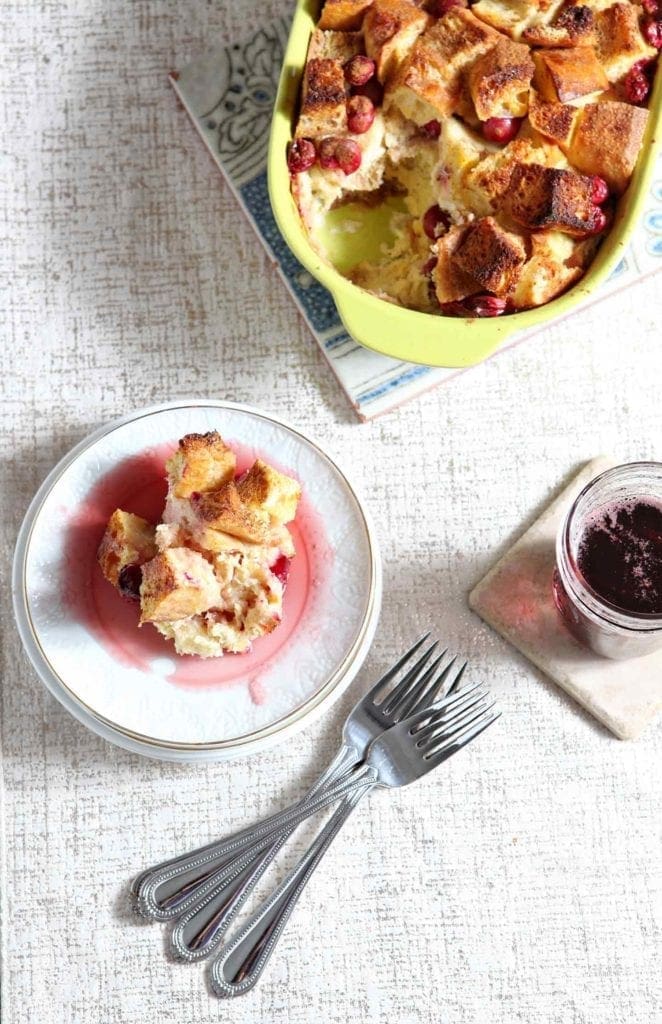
210,884
398,757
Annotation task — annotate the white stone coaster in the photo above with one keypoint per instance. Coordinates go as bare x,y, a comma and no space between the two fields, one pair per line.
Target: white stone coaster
515,598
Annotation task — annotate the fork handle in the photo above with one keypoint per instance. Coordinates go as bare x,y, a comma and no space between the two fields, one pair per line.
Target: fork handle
168,889
241,962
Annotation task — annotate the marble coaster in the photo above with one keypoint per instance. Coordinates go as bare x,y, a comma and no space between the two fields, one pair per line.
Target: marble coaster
515,598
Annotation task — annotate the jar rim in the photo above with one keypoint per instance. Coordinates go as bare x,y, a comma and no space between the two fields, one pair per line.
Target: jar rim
583,592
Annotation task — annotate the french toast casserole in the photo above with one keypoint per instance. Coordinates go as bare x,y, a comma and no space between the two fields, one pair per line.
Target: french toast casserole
211,575
497,135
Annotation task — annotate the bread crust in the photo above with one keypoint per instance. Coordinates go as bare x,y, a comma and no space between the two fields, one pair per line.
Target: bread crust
544,198
491,255
499,80
202,462
128,540
607,141
567,74
345,15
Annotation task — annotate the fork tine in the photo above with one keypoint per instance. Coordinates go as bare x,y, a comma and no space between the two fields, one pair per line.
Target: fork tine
404,686
454,686
393,671
449,713
407,702
463,736
434,712
443,730
440,687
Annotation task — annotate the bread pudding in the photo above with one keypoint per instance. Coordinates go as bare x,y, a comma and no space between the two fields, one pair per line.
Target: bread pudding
210,576
496,137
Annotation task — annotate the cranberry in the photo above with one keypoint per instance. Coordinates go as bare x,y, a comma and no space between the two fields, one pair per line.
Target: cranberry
650,6
435,222
442,6
652,33
281,568
348,156
326,151
360,114
598,222
359,69
485,305
301,155
636,86
501,129
431,129
453,309
600,190
129,580
428,267
373,90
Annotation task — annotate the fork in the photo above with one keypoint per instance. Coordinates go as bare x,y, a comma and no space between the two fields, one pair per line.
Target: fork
401,755
232,867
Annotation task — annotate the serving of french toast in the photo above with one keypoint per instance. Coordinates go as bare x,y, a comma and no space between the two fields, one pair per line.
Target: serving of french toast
506,130
211,576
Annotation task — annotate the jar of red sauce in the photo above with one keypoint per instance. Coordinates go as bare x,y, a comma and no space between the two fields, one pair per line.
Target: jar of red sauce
608,576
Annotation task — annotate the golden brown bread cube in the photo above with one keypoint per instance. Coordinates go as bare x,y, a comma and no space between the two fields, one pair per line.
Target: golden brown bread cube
331,45
490,255
451,283
323,99
345,15
541,197
202,462
619,42
499,80
128,540
176,584
224,510
567,74
264,488
556,121
556,261
390,29
573,26
515,17
428,85
607,141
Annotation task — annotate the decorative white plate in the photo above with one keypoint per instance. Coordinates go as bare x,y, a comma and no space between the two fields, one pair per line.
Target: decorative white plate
128,685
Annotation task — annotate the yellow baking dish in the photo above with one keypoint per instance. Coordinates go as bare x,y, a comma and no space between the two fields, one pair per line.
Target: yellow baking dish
404,333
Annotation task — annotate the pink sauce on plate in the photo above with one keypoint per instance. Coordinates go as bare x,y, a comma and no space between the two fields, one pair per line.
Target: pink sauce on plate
138,485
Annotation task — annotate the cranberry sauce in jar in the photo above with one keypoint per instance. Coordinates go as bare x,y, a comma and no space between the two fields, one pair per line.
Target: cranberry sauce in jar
608,578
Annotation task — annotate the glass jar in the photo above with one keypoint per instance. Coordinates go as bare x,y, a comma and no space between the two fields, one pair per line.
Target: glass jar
607,629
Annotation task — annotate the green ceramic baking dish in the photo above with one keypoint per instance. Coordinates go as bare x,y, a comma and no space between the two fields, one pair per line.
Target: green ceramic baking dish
403,333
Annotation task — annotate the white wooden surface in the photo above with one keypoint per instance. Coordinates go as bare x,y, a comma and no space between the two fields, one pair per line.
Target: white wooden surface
523,883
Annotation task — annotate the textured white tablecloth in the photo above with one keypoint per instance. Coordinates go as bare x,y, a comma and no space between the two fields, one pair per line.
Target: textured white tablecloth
522,883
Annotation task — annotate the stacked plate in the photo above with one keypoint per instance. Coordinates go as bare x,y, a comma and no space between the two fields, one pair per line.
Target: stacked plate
127,684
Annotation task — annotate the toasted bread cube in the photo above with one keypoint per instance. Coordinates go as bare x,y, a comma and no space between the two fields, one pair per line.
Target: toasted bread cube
344,15
574,26
331,45
487,182
619,42
607,141
451,283
491,255
265,488
429,83
508,16
323,99
548,197
556,121
128,540
556,261
202,462
567,74
224,510
499,80
390,29
176,584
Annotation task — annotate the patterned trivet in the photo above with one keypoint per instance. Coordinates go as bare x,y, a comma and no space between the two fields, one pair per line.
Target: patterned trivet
229,95
515,598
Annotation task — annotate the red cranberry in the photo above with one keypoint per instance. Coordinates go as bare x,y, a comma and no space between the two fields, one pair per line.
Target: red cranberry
129,580
359,69
348,156
652,33
435,222
326,152
636,86
301,156
431,129
501,129
485,305
650,6
598,222
442,6
372,90
360,114
281,568
599,190
428,267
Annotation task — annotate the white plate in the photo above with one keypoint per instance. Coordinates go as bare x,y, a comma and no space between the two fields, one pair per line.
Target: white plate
82,638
